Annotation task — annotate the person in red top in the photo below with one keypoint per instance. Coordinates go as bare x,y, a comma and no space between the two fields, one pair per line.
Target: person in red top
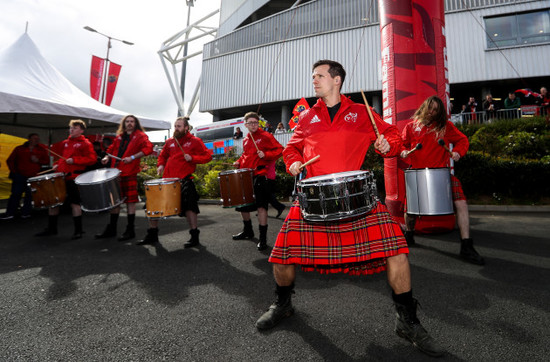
429,126
24,162
178,159
77,153
340,132
543,101
260,149
130,144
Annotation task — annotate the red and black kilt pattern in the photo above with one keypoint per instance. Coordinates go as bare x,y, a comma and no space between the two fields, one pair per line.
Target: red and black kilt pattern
456,189
129,189
359,246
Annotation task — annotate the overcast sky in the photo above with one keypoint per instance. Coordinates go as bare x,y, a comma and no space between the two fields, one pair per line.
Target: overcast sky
56,27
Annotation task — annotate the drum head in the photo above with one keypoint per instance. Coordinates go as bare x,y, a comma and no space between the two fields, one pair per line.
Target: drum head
161,181
333,176
45,177
97,176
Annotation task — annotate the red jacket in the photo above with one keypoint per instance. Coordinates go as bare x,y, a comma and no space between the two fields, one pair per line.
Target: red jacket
342,143
20,162
138,142
173,160
81,151
432,154
267,144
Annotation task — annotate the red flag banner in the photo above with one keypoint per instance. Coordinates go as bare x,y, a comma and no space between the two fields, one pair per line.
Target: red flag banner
96,75
302,105
527,92
293,122
112,79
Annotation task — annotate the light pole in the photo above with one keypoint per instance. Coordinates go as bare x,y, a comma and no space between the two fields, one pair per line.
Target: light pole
105,73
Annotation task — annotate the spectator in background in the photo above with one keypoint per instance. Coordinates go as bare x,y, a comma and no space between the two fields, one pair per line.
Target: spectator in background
512,105
280,128
470,112
490,107
25,161
238,133
543,102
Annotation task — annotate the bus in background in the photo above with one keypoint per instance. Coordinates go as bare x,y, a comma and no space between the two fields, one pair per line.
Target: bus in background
218,136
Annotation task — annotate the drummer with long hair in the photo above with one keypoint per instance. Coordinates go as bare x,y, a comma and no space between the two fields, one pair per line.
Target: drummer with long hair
340,132
260,149
77,154
129,146
431,128
178,159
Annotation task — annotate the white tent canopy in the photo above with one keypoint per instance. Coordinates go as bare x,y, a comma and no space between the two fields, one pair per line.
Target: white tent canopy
36,97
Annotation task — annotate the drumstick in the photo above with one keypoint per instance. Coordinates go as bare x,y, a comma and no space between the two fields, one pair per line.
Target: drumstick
310,161
442,143
56,154
115,157
416,148
112,199
181,148
46,171
253,141
370,115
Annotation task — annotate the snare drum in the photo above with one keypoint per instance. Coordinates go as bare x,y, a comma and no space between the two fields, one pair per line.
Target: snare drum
47,190
237,188
100,189
429,191
163,197
337,196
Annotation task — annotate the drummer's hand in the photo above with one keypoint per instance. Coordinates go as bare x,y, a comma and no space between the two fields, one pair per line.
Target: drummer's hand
127,159
261,154
455,156
104,160
404,154
160,170
382,144
188,157
236,164
69,161
295,168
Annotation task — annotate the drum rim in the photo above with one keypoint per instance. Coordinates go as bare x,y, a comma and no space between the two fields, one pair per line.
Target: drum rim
427,169
152,182
117,174
46,176
335,180
240,170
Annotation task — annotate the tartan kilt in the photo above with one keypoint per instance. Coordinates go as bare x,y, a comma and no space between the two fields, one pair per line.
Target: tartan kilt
129,189
456,189
359,246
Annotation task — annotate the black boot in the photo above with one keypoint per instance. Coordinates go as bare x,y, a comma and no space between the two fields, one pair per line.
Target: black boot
194,241
409,236
151,238
279,310
408,326
468,253
77,221
262,245
128,234
52,227
109,232
247,233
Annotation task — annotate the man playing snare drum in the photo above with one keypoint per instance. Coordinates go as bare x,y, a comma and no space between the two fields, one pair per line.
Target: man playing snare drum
131,143
340,132
434,132
77,153
260,149
178,159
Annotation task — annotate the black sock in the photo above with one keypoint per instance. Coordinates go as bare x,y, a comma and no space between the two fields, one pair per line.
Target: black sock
114,220
405,299
131,220
284,293
77,220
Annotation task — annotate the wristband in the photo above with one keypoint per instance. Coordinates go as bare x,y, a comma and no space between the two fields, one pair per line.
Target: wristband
133,157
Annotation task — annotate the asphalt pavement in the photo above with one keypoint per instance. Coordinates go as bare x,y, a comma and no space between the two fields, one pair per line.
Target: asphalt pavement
102,300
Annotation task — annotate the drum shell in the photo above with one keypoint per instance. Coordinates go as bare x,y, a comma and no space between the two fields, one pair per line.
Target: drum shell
429,191
237,187
163,198
338,196
99,189
48,190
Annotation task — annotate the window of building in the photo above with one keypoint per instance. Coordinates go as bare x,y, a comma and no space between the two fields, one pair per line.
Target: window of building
518,29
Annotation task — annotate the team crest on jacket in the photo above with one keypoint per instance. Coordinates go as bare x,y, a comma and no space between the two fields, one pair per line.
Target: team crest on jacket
187,144
351,117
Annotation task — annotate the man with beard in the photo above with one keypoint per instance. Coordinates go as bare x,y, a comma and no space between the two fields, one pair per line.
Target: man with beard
131,143
260,149
77,153
178,159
